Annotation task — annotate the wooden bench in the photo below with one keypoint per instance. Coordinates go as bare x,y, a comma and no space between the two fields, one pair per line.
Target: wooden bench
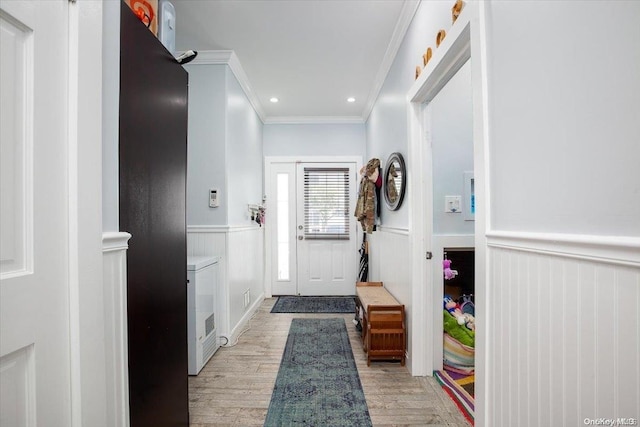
384,335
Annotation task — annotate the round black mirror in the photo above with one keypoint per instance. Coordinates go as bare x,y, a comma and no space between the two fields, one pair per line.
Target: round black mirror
395,181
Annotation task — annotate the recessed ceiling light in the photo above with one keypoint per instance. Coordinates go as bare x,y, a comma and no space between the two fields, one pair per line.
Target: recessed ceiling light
274,100
351,99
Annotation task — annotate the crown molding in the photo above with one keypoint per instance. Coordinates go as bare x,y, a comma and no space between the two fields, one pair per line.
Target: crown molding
402,26
305,120
228,57
213,57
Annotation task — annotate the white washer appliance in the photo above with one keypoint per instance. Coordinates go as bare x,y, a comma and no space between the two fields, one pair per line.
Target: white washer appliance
202,288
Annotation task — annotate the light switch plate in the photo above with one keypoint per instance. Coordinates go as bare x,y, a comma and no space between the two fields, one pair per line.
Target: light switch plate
452,204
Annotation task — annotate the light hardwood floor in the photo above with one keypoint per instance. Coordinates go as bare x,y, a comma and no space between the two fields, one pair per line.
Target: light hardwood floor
235,387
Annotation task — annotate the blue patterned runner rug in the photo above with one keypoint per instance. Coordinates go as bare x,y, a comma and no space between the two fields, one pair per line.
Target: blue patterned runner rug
293,304
318,382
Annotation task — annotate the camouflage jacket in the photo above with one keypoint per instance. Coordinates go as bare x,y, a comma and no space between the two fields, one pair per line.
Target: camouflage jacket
366,207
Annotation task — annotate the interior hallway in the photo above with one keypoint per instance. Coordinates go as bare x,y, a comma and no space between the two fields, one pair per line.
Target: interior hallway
235,387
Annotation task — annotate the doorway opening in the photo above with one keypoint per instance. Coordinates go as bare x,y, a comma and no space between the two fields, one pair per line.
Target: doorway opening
458,320
463,42
311,242
449,117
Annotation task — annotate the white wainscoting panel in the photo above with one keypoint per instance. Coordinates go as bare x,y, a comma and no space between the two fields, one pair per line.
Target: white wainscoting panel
563,331
241,252
207,240
245,273
114,250
390,263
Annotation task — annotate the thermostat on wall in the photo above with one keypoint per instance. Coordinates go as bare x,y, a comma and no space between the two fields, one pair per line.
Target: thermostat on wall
213,198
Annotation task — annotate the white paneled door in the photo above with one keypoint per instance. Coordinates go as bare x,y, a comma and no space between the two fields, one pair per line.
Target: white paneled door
325,230
34,256
313,242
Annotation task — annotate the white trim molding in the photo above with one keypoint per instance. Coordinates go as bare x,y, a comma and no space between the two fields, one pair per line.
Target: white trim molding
213,57
268,160
450,56
618,250
115,241
393,230
114,276
305,120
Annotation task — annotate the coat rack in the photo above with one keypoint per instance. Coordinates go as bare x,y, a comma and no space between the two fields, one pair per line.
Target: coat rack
257,213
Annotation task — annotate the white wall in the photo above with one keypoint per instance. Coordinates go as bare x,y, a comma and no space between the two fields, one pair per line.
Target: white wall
452,149
110,114
563,266
244,153
387,123
564,116
387,133
225,152
314,139
206,148
562,251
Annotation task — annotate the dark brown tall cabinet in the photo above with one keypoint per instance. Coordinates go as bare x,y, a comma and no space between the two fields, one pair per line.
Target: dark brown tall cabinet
153,170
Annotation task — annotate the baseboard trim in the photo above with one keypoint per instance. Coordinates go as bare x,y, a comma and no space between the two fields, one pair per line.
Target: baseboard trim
618,250
239,329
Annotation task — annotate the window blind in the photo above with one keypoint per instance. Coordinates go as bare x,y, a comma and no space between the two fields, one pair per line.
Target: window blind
326,203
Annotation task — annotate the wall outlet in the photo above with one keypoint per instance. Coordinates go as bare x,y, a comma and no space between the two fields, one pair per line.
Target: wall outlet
452,204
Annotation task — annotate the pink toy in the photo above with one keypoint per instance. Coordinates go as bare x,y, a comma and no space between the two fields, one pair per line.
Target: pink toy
448,272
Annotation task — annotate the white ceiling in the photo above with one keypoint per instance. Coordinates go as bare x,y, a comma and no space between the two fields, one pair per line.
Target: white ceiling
311,54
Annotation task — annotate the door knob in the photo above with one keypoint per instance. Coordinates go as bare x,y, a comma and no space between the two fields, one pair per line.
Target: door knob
300,227
300,237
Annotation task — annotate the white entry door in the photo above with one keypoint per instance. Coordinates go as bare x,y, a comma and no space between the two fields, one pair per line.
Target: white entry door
34,281
313,234
326,244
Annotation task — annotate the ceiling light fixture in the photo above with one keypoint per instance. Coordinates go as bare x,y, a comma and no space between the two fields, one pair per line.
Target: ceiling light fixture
274,100
351,99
